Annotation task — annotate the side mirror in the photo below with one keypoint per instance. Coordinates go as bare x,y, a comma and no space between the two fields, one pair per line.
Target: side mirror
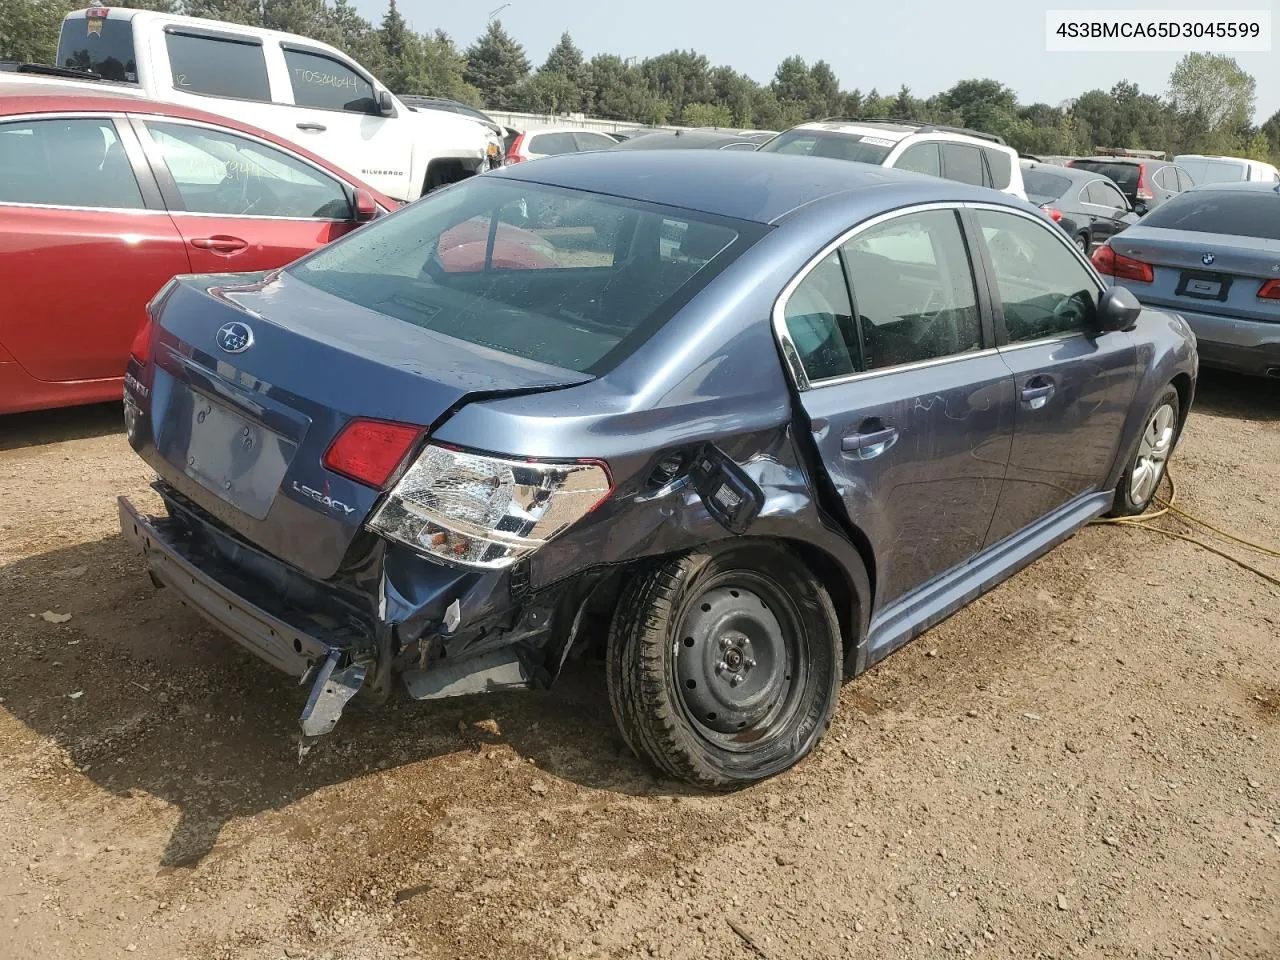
365,206
1140,208
1117,310
386,106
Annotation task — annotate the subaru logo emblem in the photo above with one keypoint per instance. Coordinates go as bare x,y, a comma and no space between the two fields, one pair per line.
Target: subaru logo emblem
1208,259
234,337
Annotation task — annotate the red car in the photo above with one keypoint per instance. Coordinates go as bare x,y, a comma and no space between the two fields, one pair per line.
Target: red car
105,197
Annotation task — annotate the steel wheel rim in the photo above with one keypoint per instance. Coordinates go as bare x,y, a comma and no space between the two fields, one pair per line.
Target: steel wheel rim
1153,452
740,679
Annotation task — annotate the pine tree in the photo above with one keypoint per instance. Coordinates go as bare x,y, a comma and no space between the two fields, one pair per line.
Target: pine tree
394,33
496,65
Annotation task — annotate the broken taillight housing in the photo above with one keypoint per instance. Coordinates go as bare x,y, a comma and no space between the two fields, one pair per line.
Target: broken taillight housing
481,511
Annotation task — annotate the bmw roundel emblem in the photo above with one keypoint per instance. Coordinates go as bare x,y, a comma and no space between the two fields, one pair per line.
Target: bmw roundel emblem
1208,259
234,337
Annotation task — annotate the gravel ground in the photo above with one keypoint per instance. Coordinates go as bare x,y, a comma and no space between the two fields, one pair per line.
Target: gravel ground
1083,763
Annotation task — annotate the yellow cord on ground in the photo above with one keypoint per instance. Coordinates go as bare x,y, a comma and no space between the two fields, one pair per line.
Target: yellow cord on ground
1144,521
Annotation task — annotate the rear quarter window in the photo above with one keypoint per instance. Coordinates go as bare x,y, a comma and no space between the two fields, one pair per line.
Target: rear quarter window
217,66
1045,186
553,144
1246,213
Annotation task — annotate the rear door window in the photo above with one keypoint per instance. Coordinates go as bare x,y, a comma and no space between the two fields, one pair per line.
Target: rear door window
99,44
66,163
963,162
221,66
920,158
222,173
1108,196
553,144
555,276
913,290
327,84
1001,167
1243,213
819,318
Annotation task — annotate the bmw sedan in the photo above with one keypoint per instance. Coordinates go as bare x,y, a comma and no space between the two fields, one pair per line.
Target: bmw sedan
1213,255
750,422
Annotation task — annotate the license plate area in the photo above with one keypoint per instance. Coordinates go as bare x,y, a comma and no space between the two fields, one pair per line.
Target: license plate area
1204,286
239,461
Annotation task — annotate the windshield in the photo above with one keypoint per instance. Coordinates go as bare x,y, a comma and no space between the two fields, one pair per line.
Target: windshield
103,46
1215,171
1124,174
571,279
1043,187
841,146
1244,213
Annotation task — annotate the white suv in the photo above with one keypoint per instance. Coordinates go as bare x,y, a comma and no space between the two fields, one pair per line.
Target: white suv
968,156
296,88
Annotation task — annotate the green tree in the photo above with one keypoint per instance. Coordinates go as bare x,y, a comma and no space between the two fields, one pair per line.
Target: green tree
707,115
737,93
793,84
824,90
985,105
1211,92
679,77
548,92
248,12
496,66
565,59
394,33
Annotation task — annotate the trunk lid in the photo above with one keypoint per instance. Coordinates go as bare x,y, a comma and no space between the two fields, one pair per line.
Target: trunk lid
1227,284
253,377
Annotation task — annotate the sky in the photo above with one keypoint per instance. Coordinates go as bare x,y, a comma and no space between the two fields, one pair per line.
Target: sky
926,44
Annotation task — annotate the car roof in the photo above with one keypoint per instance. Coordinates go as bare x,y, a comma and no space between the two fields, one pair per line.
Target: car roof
740,184
34,98
1238,186
1107,158
887,131
1069,173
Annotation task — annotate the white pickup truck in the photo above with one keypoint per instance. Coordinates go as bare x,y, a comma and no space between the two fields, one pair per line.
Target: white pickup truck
296,88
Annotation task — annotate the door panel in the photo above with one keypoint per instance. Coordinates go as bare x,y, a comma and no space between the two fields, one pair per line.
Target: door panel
1072,387
231,244
918,458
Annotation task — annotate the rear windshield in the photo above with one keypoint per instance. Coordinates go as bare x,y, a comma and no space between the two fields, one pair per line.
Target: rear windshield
1124,174
103,46
1245,213
1044,186
1214,171
841,146
560,277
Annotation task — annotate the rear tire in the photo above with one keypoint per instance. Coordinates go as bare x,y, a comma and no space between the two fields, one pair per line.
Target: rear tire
1082,243
1145,469
724,666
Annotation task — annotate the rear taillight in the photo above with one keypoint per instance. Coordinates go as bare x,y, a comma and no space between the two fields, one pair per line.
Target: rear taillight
368,451
1054,214
140,349
1270,290
513,152
1111,264
487,512
1143,192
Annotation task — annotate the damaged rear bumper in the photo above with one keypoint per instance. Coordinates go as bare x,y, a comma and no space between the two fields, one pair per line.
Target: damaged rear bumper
274,640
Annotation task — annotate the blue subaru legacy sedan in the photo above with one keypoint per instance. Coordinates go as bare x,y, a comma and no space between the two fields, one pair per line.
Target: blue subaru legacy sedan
750,422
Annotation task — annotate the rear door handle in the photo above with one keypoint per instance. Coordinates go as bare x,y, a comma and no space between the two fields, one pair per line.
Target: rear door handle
873,440
1037,392
311,125
224,245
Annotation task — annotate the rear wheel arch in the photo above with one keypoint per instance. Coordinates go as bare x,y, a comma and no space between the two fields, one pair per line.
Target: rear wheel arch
851,599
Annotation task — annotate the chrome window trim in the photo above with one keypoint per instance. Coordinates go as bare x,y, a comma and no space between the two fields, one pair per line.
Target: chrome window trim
791,356
133,211
144,119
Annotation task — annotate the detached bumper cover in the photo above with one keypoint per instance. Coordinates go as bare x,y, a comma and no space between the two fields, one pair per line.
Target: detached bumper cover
272,639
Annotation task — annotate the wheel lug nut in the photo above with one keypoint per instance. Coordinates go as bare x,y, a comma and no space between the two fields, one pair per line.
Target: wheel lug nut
750,663
721,667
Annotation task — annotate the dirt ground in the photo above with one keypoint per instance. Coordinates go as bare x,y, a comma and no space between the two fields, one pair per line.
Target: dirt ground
1083,763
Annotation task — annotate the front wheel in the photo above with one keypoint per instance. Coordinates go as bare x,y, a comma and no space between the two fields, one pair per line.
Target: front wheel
1145,469
724,666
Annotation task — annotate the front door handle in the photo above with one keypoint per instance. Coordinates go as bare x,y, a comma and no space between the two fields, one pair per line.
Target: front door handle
223,245
311,125
873,439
